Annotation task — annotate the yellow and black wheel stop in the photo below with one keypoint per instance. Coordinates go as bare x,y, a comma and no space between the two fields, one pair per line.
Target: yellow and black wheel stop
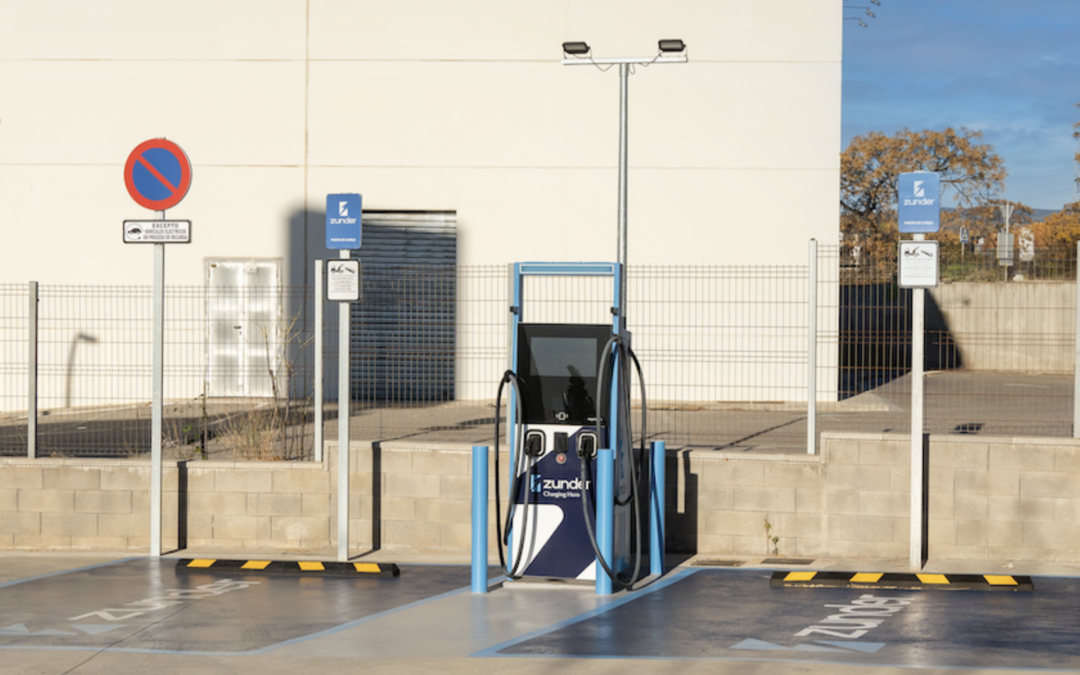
902,581
292,567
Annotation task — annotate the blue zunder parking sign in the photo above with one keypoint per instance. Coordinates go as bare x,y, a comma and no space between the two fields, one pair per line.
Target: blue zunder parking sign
918,201
343,221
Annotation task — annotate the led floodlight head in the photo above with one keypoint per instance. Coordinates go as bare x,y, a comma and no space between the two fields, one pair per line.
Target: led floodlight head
575,48
672,46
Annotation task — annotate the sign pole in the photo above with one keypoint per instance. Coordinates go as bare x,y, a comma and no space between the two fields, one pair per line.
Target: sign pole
343,226
156,406
918,468
344,335
918,212
157,175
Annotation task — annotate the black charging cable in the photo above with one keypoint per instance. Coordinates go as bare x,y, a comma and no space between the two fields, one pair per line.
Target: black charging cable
513,572
604,375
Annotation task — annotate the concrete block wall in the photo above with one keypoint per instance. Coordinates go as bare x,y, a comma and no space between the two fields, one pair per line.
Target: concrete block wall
77,504
422,500
1024,327
720,502
850,501
415,497
1006,499
990,499
105,504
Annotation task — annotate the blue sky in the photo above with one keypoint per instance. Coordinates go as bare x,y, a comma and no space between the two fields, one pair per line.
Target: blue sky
1008,68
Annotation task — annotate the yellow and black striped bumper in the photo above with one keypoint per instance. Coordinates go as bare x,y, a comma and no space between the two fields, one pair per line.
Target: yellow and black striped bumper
293,567
902,581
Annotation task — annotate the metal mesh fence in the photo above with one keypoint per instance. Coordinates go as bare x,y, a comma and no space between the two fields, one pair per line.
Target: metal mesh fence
725,353
1000,347
236,383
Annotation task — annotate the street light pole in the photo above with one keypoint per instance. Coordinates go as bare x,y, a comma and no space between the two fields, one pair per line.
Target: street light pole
577,54
624,83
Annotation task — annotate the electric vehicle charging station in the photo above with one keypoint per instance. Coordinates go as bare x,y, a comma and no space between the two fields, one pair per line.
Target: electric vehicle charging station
584,503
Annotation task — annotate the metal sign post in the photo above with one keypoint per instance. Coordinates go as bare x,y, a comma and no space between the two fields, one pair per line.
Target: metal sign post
344,333
157,175
917,553
919,212
343,225
156,410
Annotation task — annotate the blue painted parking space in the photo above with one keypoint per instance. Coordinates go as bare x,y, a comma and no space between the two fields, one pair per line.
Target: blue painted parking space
734,614
144,605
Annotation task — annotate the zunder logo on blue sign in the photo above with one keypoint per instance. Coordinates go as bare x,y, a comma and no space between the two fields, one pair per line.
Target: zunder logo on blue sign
918,203
343,221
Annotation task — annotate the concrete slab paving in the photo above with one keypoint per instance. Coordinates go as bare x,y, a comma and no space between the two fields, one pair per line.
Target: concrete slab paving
88,614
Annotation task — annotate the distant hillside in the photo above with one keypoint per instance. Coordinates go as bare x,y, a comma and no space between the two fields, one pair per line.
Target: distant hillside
1040,214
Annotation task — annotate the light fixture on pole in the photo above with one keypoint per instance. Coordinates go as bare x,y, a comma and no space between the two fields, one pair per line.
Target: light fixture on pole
578,54
869,13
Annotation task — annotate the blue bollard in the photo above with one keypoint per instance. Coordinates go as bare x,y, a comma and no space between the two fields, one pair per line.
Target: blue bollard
605,516
480,519
656,504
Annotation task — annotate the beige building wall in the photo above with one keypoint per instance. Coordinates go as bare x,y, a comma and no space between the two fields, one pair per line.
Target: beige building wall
420,105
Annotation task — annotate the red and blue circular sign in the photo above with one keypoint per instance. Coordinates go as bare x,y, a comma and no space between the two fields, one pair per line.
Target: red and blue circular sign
157,174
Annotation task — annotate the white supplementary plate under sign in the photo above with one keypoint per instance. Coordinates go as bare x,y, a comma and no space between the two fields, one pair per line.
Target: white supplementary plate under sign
157,231
918,264
343,280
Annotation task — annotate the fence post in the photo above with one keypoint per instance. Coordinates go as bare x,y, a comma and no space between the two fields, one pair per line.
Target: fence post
1076,353
811,354
32,375
318,449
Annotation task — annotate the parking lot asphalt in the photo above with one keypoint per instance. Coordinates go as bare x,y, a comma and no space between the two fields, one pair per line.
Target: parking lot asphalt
81,614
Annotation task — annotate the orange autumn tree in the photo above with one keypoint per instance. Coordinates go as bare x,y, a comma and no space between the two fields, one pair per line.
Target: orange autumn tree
971,172
1059,232
984,221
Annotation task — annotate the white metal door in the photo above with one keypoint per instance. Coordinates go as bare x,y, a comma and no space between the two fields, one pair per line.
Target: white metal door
244,316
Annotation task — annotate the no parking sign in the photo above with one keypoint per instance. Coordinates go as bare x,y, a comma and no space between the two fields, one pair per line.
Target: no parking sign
157,174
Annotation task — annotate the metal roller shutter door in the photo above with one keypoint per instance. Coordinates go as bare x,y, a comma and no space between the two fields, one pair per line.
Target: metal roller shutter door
403,328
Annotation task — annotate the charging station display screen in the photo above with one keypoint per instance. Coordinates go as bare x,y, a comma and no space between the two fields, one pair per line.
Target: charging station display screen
556,356
557,369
